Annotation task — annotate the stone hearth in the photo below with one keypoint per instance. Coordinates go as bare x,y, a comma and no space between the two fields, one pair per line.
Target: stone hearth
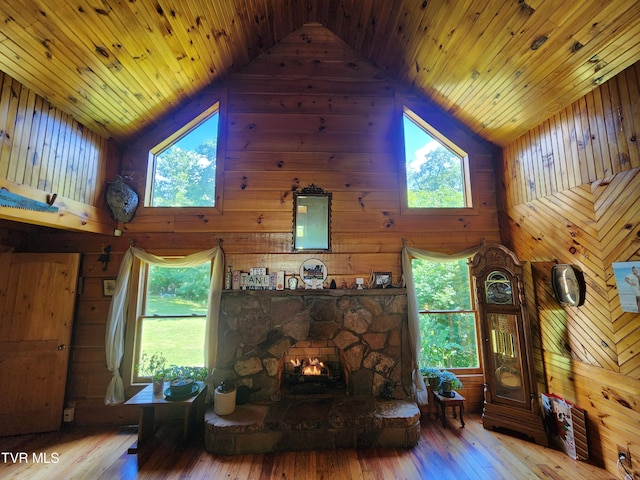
313,424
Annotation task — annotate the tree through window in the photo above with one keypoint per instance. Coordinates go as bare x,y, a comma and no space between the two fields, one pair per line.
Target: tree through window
447,318
435,169
183,168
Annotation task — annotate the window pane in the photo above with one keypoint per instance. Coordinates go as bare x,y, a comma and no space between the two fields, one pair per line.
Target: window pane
448,340
180,340
442,285
185,173
175,291
435,177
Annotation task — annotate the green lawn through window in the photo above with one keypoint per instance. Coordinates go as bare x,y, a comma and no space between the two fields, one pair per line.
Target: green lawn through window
181,340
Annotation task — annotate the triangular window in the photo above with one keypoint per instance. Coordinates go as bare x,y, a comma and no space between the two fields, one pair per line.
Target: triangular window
436,170
182,169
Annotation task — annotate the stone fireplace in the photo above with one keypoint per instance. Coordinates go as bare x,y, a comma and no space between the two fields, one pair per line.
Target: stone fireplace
359,336
362,334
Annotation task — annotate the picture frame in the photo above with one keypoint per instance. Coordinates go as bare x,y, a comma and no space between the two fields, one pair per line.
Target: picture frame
627,275
108,287
380,279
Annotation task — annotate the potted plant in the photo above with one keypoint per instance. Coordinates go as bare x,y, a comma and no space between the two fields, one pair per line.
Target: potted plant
449,382
431,376
182,379
153,366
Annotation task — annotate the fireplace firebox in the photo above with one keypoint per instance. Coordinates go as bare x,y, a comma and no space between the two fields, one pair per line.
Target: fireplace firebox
312,367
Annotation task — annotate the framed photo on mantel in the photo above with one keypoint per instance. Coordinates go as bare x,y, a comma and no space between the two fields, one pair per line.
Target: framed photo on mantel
380,280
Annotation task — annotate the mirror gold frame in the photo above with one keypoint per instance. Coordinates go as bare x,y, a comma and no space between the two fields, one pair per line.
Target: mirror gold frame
311,220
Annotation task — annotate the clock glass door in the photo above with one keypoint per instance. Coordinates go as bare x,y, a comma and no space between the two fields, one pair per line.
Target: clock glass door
507,359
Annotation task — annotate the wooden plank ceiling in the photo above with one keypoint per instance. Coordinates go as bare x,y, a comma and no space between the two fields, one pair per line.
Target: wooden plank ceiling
500,66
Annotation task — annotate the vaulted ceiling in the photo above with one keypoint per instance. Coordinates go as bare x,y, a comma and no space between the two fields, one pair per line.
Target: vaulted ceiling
499,66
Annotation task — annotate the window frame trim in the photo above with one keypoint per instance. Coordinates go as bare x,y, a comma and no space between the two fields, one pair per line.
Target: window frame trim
479,370
403,105
135,314
219,106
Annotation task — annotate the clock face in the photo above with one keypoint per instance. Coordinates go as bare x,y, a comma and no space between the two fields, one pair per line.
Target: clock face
498,289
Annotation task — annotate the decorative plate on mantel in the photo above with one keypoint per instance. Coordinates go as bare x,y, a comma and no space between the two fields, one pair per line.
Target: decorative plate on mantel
313,272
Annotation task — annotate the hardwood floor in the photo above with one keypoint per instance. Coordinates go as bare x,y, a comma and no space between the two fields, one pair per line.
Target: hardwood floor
456,453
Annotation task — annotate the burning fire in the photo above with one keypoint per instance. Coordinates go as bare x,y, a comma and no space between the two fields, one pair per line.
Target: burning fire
312,366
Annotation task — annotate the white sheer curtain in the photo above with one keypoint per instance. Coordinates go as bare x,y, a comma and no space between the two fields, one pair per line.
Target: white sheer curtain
116,321
409,253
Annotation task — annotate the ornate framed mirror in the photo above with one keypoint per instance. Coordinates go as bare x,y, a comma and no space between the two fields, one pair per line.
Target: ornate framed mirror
311,220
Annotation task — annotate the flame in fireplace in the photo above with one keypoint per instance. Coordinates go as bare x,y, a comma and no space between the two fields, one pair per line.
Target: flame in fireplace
311,366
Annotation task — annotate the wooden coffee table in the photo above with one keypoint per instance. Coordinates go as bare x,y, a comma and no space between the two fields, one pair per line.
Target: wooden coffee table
443,402
145,399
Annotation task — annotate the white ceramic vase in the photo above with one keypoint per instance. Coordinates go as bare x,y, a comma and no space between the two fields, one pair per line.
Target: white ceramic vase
224,403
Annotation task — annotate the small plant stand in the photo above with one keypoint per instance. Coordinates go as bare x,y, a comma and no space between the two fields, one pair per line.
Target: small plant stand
453,402
147,401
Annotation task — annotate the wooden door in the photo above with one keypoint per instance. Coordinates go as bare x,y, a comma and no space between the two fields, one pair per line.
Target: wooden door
37,299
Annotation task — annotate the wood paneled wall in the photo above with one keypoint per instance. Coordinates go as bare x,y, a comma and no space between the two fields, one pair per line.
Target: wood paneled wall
569,192
308,111
312,110
44,151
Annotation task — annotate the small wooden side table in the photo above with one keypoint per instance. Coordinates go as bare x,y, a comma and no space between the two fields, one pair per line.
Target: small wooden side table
147,401
453,402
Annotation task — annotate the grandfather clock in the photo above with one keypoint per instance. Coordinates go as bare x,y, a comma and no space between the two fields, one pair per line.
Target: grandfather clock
511,398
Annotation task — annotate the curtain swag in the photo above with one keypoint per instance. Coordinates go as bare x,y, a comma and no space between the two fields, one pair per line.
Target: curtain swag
117,317
409,253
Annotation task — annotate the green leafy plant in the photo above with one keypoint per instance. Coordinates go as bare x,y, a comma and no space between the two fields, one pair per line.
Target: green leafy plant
152,366
431,375
452,378
441,377
430,372
182,371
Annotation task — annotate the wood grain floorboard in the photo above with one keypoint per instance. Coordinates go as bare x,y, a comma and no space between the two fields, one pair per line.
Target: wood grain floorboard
470,453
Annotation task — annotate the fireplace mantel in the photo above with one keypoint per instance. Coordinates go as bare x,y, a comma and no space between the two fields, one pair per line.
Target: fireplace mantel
329,292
